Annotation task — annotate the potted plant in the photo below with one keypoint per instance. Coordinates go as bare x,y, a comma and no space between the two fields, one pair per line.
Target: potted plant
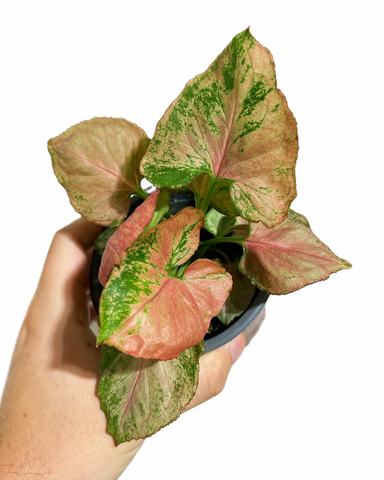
227,146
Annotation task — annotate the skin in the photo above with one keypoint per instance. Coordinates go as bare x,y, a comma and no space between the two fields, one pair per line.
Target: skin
51,424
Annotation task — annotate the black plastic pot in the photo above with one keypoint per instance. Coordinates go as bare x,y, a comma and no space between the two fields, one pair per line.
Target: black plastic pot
222,335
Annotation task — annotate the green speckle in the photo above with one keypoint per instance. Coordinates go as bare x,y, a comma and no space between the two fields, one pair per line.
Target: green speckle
255,95
249,127
78,196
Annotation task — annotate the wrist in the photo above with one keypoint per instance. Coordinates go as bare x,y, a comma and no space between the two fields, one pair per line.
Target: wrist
28,464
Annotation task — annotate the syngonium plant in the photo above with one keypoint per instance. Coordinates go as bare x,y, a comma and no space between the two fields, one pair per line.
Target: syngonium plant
230,138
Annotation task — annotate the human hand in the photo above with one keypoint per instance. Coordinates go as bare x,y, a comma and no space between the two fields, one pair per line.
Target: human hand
51,424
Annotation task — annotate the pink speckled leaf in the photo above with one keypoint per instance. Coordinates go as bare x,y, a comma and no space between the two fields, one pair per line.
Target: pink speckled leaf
97,162
231,124
149,312
287,257
141,396
129,231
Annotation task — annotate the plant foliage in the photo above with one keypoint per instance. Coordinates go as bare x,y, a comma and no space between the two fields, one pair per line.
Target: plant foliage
229,138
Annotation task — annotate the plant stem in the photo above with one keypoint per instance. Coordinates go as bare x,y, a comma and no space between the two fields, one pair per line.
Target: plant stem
208,197
220,252
215,240
141,193
200,252
227,230
183,268
173,272
197,200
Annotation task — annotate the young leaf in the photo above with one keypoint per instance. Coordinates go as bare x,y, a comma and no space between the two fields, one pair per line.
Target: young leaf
141,396
125,235
97,162
146,215
147,312
216,223
240,296
102,239
232,123
287,257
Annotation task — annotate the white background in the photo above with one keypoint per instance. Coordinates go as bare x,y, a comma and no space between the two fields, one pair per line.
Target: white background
305,401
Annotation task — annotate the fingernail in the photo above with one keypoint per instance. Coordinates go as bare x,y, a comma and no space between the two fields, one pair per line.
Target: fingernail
236,347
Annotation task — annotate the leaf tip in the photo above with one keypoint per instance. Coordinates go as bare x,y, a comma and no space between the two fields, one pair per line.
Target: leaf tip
345,264
102,336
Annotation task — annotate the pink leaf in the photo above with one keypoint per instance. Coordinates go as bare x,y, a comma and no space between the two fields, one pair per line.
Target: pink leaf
97,162
232,124
147,311
287,257
125,235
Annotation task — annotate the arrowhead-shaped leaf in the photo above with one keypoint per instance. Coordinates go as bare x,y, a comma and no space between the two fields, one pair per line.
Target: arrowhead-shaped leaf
97,162
240,296
287,257
152,209
232,123
141,396
148,312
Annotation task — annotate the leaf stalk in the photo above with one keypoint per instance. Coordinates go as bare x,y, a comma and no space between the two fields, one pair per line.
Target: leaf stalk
215,240
208,197
140,192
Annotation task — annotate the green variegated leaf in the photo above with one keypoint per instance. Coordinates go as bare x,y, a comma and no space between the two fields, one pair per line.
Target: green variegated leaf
102,239
97,162
147,311
287,257
240,296
141,396
233,126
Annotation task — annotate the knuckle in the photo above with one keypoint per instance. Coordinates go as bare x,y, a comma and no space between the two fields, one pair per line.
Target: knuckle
58,236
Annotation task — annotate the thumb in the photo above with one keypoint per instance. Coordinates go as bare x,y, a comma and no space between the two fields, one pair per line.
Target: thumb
214,370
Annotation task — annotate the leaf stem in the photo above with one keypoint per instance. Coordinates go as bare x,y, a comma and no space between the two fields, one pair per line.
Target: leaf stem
208,196
141,193
173,272
215,240
201,251
183,268
220,252
227,230
197,200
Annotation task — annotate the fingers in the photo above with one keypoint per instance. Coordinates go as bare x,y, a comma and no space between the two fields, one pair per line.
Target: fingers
214,370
